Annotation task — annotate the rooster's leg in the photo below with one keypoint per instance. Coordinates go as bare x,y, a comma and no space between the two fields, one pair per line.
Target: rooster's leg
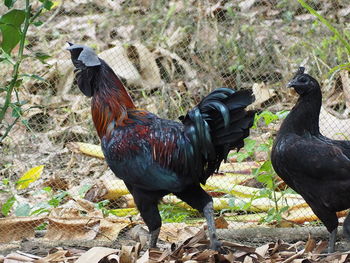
332,238
147,204
196,197
208,212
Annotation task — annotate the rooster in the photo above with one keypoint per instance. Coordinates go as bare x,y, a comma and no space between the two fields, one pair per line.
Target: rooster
155,156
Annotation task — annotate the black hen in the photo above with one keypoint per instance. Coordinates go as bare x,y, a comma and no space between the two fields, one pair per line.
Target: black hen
155,156
313,165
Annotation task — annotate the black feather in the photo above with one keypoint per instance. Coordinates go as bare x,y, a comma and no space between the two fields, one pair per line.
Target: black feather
218,124
316,167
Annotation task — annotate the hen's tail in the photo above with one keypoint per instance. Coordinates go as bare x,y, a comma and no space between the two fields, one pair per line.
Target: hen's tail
218,124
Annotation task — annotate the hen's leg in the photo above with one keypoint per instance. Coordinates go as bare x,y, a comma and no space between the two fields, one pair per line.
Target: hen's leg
196,197
332,238
346,226
329,219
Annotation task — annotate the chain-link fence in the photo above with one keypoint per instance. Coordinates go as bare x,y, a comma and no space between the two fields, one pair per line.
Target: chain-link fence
55,185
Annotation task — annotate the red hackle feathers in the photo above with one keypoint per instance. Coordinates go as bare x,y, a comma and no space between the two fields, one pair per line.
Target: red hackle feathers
109,106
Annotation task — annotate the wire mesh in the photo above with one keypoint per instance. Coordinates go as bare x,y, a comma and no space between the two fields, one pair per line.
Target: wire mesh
169,55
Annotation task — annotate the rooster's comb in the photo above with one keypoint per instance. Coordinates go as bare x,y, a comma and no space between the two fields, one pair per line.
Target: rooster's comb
84,54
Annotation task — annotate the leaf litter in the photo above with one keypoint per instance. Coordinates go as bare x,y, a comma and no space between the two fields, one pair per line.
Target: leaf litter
192,249
64,117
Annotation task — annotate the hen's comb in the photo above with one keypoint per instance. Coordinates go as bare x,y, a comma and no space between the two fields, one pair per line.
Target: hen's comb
300,71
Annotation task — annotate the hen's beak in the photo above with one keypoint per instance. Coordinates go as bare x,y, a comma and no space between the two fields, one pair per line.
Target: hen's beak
293,83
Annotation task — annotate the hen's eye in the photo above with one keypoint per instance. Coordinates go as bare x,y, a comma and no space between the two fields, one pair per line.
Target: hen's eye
303,79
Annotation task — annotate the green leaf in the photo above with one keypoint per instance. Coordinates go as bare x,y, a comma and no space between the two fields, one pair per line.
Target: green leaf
40,208
56,200
339,67
40,211
14,18
10,26
265,179
266,167
41,56
38,23
249,145
42,226
47,189
5,210
6,57
22,210
18,82
47,4
16,111
26,123
283,209
33,76
102,203
326,23
263,148
242,156
9,3
10,37
6,181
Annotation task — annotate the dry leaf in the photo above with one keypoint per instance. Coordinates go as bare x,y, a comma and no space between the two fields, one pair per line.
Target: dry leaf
109,229
57,183
72,229
135,63
86,148
17,228
310,244
302,213
57,256
95,254
246,5
127,254
15,257
333,127
144,258
262,250
262,93
221,223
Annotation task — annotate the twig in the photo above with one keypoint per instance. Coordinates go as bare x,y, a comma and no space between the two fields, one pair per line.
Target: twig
300,253
58,10
8,129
